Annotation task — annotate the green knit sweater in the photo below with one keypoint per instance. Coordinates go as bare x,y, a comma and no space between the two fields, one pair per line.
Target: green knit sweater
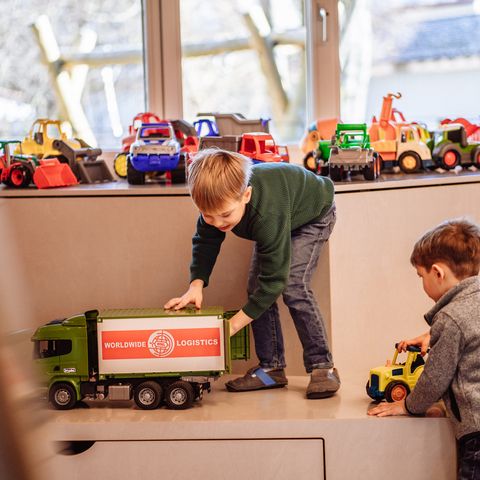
284,197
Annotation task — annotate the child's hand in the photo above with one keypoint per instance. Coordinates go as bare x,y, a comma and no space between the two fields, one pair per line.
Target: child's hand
193,295
385,409
238,321
422,341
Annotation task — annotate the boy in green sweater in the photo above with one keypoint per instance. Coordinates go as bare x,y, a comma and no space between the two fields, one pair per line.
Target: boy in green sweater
289,213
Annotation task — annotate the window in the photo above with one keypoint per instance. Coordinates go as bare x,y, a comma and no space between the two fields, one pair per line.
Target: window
80,62
52,348
427,50
246,56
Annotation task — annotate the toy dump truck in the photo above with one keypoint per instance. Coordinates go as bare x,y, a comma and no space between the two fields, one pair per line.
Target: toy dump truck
393,382
46,139
235,133
351,152
154,356
236,123
224,130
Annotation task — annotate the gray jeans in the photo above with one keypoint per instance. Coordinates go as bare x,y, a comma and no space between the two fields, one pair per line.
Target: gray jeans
307,243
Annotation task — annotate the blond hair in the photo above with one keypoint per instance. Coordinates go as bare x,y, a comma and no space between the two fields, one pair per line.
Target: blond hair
216,176
455,243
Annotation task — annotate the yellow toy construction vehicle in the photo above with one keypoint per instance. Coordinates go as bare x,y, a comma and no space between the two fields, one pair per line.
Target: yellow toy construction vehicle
395,381
46,139
40,138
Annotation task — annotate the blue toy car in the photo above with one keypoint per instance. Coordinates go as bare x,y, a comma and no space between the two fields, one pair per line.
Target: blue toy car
155,150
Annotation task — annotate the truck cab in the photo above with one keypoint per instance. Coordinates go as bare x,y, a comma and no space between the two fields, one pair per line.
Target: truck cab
260,147
413,154
40,138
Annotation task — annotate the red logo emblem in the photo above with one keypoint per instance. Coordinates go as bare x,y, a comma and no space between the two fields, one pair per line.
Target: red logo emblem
161,343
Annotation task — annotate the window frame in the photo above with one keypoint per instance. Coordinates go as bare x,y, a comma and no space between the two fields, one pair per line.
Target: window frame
163,58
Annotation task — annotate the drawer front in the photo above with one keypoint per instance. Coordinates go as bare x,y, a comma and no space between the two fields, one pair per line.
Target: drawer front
250,459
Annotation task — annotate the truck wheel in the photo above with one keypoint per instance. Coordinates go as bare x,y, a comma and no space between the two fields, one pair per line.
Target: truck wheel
310,162
370,171
134,177
476,157
450,159
179,395
19,177
120,165
336,173
63,396
367,389
409,162
396,391
179,174
369,393
148,395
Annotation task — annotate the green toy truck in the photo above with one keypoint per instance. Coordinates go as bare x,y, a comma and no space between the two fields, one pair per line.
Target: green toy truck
351,152
154,356
394,381
451,147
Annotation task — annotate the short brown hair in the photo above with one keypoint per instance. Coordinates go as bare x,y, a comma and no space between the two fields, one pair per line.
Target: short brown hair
216,176
455,243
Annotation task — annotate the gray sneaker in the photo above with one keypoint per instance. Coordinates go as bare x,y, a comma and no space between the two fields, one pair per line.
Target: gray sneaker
324,382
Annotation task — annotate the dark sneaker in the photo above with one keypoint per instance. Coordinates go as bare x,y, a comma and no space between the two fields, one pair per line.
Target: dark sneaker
257,379
324,382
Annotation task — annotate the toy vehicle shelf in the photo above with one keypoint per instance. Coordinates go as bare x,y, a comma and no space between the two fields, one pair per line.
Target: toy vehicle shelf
271,431
385,182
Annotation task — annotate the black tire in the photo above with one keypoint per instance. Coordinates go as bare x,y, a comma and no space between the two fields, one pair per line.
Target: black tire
392,392
19,176
179,395
380,163
409,162
367,389
450,159
476,157
370,171
324,170
134,177
148,395
63,396
336,173
179,175
310,162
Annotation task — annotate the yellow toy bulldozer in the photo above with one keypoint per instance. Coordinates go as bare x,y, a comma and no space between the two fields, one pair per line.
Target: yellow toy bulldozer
46,139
